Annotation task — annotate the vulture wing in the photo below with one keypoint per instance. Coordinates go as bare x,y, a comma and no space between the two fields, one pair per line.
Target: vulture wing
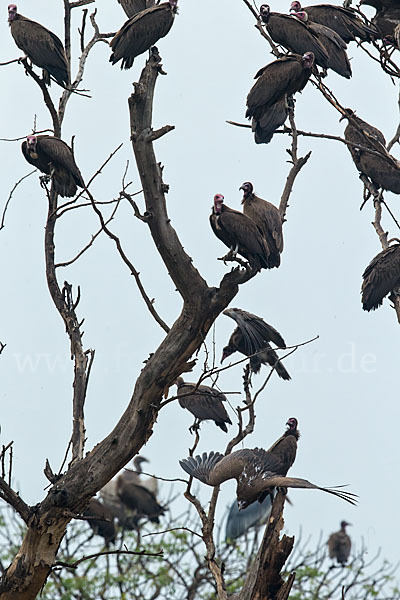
246,235
269,119
284,450
336,48
141,500
344,21
255,330
61,154
101,521
133,7
205,403
380,277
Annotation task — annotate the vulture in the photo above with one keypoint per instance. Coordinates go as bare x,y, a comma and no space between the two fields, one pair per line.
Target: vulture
345,21
141,32
252,335
133,7
285,447
205,403
140,500
267,99
255,471
239,233
54,157
339,544
384,171
387,16
110,499
240,521
294,35
40,45
381,277
267,217
103,521
332,42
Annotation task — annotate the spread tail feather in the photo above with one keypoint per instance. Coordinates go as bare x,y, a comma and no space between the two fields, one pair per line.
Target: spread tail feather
296,482
200,467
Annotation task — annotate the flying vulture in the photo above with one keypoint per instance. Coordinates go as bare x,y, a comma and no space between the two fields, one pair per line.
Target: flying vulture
54,157
252,335
332,42
240,521
266,101
102,522
387,16
267,217
345,21
40,45
141,32
255,473
294,35
133,7
239,233
381,277
339,544
384,171
205,403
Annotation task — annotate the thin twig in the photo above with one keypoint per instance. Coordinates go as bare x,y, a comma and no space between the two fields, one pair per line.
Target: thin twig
10,196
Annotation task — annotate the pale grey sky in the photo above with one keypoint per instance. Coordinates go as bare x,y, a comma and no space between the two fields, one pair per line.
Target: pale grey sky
344,388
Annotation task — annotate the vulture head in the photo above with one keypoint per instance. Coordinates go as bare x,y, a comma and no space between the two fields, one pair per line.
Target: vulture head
344,524
12,12
301,15
218,202
348,112
174,5
227,351
307,60
31,142
292,423
247,188
295,6
264,12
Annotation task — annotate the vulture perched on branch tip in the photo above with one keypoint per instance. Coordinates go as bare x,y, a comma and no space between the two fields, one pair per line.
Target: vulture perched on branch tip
101,521
239,233
267,217
339,544
205,403
54,157
252,336
133,7
382,168
345,21
40,45
267,99
141,32
381,277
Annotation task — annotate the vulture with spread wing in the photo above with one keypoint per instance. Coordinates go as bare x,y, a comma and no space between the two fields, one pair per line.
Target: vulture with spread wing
141,32
381,277
101,521
267,217
266,101
252,336
345,21
339,544
239,233
387,16
133,7
40,45
54,157
205,403
383,169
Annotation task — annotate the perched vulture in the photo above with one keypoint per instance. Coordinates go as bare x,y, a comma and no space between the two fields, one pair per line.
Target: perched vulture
240,521
110,499
141,32
254,471
345,21
384,171
133,7
204,402
40,45
285,447
294,35
140,500
387,16
239,233
103,523
54,157
266,101
381,277
253,335
339,544
332,42
268,218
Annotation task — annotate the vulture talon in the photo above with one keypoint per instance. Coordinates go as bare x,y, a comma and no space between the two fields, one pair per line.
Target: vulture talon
44,180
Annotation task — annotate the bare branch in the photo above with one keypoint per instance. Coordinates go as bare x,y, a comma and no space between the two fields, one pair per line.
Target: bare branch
2,224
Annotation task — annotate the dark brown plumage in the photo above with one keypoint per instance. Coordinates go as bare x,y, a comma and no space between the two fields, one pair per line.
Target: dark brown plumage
267,217
387,16
141,32
54,157
133,7
254,471
252,335
42,46
140,500
285,447
339,544
266,101
381,277
345,21
239,233
384,171
293,35
102,522
204,402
